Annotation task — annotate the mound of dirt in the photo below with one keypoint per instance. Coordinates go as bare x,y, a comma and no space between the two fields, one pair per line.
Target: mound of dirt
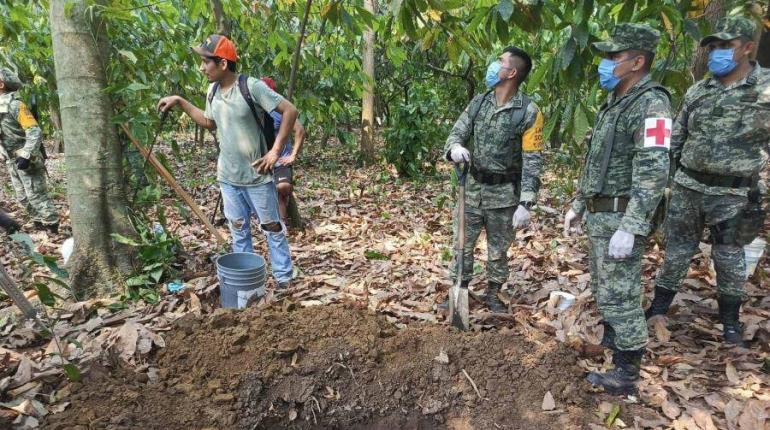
335,367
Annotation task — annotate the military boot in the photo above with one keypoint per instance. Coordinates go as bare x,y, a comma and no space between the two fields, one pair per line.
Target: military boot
9,224
621,380
608,339
492,301
444,306
729,310
660,303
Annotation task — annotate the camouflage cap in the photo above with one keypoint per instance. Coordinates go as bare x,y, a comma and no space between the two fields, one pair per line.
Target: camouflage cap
630,36
11,80
731,27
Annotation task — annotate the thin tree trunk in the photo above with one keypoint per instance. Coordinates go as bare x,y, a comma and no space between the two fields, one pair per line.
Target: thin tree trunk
295,60
367,106
714,10
221,21
93,154
295,220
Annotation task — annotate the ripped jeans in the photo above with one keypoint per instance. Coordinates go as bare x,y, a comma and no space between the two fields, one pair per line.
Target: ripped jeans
240,204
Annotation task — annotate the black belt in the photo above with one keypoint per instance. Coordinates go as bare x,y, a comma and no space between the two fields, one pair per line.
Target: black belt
712,180
489,178
607,204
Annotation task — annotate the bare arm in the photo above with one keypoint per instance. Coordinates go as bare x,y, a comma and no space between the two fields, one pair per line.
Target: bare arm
191,110
299,138
289,115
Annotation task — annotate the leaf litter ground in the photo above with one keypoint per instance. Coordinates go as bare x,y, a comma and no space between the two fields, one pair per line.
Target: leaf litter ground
357,342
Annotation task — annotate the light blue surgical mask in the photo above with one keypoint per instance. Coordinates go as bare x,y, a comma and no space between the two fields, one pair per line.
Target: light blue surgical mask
721,61
493,74
607,78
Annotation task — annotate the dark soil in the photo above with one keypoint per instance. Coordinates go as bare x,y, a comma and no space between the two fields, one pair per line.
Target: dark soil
335,367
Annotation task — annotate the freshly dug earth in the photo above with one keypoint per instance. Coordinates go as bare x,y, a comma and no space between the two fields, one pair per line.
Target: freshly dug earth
335,367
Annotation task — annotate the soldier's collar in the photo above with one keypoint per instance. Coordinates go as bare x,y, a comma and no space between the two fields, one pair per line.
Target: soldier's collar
516,101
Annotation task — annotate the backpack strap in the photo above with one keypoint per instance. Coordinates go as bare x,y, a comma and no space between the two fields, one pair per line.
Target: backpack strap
519,111
243,86
625,104
213,91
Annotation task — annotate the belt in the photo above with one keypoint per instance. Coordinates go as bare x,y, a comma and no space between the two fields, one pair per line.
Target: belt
489,178
607,204
712,180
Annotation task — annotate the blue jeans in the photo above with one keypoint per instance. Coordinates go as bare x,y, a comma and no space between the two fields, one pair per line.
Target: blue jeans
240,204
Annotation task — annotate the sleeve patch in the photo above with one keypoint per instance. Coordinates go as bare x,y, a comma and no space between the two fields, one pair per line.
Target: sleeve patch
532,141
657,133
25,118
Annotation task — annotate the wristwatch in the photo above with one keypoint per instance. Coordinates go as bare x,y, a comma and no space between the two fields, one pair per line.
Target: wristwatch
527,205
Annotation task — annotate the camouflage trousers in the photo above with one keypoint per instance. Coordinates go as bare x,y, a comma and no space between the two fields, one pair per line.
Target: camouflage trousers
31,191
689,213
498,224
617,284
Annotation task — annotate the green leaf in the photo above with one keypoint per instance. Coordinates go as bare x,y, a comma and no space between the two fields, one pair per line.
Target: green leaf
72,372
128,54
505,9
45,295
613,415
25,240
123,239
136,86
374,255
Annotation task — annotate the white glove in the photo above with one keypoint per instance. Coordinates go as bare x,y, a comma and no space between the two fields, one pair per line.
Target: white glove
621,244
458,154
520,218
572,223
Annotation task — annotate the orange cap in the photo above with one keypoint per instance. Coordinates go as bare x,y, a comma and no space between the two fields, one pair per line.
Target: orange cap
217,45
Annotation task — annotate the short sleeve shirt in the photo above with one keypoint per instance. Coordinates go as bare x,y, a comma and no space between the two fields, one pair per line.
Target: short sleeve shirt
241,142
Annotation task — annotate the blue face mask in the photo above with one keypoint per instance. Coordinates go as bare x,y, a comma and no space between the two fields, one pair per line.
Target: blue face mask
493,74
721,61
607,78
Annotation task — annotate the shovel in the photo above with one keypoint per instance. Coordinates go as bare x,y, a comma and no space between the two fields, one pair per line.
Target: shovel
458,296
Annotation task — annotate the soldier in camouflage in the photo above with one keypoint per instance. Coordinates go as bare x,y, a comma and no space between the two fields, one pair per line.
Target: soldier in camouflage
500,135
719,144
20,148
620,188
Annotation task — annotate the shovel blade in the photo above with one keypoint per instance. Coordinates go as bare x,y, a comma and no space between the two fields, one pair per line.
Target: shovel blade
458,308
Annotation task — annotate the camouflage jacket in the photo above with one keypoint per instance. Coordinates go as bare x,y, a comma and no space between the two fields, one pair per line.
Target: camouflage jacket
500,146
20,135
638,163
723,130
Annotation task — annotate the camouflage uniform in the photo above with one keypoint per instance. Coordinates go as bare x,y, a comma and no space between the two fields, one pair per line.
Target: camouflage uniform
498,146
625,173
721,132
20,136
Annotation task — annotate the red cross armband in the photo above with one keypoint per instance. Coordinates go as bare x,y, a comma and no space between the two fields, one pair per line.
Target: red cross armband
657,133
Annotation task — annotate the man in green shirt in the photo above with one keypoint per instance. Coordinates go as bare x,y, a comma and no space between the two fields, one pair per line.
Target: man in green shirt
244,164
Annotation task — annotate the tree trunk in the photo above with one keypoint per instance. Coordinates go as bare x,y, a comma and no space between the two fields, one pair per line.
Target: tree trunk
295,60
367,106
93,155
714,10
221,21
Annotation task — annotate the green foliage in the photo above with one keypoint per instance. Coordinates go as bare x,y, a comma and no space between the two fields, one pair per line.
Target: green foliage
441,45
157,252
417,134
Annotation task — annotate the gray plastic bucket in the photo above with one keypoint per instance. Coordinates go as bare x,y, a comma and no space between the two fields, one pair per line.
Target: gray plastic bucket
242,277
